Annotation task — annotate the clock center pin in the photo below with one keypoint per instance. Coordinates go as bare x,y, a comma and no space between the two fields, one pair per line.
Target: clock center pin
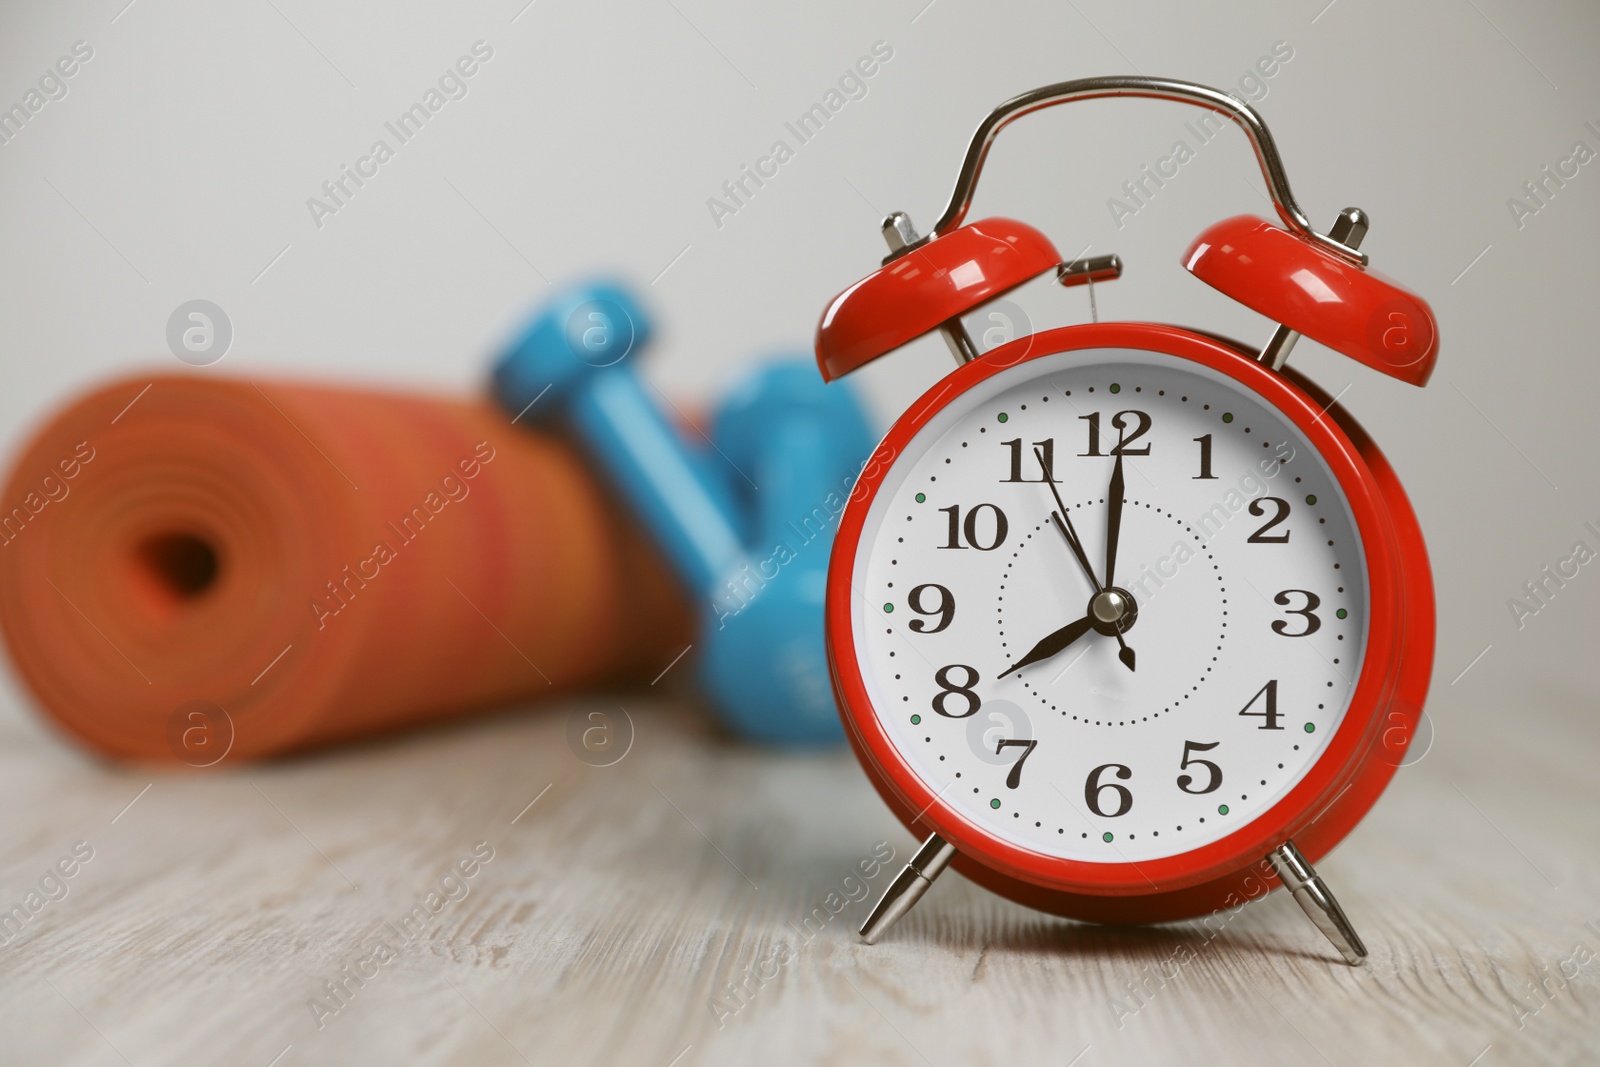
1113,611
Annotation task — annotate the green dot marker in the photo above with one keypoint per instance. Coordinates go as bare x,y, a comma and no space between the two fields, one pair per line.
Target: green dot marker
1342,613
1106,836
1311,727
1227,416
1115,388
887,608
1002,416
995,803
1311,499
922,498
1222,809
916,719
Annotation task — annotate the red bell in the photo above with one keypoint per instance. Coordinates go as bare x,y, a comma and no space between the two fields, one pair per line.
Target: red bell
937,281
1328,299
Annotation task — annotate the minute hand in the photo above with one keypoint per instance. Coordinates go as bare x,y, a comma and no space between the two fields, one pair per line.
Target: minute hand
1113,534
1113,522
1052,644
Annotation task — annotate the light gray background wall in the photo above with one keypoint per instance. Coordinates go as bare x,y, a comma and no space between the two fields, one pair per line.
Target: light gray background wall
179,163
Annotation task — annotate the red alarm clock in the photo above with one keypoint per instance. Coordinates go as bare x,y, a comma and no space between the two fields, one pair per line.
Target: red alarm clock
1130,622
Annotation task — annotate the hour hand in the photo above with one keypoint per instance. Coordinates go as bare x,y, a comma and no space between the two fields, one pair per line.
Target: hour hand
1052,644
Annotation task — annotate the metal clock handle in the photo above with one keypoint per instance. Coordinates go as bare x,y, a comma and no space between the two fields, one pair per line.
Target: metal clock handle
1343,239
1184,92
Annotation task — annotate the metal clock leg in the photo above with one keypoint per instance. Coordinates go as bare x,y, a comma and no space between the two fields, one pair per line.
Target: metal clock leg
1301,879
907,888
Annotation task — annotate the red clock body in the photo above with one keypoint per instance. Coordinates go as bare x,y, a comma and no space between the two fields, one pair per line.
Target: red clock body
1076,398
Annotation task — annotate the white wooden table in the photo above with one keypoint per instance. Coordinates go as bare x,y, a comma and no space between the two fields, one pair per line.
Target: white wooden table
619,907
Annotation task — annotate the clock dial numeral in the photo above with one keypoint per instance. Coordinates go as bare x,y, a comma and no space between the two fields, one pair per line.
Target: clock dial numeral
971,528
1125,438
1271,712
1014,779
946,609
1093,788
949,688
1307,612
1047,446
1281,512
1205,459
1185,780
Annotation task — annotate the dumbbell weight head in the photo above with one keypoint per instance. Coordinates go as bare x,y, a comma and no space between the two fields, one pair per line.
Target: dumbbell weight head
571,365
800,444
580,330
752,426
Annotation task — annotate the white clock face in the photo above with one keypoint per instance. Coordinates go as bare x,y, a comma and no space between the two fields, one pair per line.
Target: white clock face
990,651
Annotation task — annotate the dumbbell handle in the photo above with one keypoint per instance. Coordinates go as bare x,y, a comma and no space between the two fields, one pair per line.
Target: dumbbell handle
688,513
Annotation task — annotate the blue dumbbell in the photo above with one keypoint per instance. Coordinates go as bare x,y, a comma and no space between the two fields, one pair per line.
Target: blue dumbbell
794,444
802,442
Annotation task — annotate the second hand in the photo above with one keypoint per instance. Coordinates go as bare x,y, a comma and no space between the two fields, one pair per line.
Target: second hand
1064,521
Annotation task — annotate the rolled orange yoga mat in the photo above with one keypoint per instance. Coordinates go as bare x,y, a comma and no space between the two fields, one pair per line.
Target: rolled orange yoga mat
194,569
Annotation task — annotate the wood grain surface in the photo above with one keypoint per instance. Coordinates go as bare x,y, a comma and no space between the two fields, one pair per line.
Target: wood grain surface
654,912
